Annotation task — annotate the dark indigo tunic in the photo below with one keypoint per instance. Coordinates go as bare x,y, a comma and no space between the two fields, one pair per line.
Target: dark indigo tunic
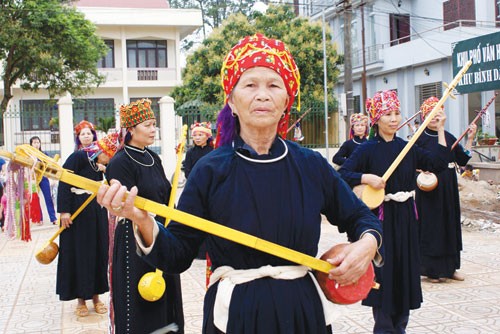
133,314
346,150
82,266
399,278
439,211
281,202
193,155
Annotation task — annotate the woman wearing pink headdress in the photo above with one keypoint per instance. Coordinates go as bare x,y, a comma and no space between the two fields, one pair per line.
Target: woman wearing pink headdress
399,278
357,136
439,209
261,184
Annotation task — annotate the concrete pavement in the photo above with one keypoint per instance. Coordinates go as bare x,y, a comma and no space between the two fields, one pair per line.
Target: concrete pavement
29,303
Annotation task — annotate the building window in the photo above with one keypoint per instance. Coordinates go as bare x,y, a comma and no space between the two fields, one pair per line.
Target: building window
423,92
459,13
399,26
108,61
497,12
96,111
36,114
147,54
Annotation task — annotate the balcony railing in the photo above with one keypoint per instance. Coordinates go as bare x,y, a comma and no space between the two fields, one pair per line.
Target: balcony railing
147,75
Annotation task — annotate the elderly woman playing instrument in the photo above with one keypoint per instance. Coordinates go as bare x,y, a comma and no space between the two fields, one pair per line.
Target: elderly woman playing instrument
83,248
136,165
400,276
439,209
261,184
357,136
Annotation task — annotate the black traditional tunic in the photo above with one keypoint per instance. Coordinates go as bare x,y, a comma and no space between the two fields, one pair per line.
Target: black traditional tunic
399,278
193,155
133,314
439,211
83,248
346,150
281,201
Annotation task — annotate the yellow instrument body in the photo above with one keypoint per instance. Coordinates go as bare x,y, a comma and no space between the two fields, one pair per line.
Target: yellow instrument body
152,286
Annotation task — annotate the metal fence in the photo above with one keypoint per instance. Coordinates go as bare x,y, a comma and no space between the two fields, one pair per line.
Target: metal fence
312,124
28,120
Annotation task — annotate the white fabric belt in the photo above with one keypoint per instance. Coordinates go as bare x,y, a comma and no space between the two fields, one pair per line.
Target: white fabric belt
230,277
400,196
79,191
451,165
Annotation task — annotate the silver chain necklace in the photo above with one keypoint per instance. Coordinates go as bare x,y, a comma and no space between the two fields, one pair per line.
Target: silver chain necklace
93,164
265,161
140,163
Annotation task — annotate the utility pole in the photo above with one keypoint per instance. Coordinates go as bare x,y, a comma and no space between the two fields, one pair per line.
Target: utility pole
363,74
348,62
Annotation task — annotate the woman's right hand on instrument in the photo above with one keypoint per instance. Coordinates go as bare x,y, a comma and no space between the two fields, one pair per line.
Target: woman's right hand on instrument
66,219
114,198
373,180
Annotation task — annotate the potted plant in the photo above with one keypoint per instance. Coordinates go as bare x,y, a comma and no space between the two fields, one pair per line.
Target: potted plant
485,138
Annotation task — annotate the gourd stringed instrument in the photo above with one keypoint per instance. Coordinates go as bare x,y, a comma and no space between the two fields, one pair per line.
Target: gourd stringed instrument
25,155
374,197
152,285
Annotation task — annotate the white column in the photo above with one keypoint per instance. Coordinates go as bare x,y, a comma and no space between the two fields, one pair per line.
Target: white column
10,124
168,134
66,135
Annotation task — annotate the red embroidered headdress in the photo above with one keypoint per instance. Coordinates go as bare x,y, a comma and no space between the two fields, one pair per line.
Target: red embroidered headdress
381,104
205,127
428,105
358,119
253,51
82,125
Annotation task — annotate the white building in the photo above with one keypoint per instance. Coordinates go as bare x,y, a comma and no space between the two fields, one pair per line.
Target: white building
408,47
144,40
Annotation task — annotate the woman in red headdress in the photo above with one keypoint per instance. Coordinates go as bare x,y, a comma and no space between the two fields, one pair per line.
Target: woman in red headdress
83,245
85,134
357,136
399,278
259,183
439,209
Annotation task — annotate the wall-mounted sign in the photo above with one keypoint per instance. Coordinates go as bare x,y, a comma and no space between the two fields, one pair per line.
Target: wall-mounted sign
484,74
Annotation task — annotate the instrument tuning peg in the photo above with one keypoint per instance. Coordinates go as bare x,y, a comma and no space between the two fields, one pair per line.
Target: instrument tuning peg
451,94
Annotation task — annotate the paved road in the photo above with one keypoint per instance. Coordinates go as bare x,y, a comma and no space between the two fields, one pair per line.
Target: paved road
28,303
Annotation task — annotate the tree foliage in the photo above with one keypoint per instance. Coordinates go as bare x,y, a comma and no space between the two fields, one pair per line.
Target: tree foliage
47,44
214,12
201,77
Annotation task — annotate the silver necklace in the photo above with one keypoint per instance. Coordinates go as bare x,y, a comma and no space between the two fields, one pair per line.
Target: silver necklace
140,151
93,164
429,134
265,161
355,142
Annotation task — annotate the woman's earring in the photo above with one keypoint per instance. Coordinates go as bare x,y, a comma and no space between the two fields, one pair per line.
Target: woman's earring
233,114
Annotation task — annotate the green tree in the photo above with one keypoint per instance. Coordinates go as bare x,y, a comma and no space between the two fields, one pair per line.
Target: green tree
201,77
213,12
105,123
47,44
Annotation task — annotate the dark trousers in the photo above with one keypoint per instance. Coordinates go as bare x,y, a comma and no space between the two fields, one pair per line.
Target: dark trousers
389,324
